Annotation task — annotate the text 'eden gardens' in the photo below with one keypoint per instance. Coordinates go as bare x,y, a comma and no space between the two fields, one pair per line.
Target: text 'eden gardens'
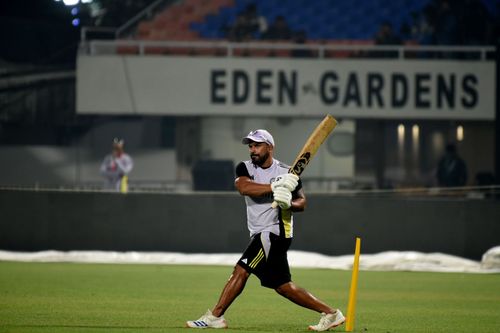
420,90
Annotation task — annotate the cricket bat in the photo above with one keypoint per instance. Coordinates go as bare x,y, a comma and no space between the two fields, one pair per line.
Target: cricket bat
317,137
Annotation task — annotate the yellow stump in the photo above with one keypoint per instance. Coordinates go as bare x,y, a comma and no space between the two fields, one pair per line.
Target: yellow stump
124,184
351,306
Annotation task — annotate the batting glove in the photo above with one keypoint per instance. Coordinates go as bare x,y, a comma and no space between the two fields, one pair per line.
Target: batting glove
283,197
287,180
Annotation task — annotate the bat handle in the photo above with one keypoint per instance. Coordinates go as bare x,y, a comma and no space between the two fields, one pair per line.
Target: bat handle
275,204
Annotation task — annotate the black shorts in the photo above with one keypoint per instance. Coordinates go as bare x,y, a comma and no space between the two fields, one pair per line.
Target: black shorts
266,257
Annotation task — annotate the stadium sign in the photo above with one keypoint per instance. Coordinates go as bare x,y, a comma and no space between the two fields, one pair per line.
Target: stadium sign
426,89
282,88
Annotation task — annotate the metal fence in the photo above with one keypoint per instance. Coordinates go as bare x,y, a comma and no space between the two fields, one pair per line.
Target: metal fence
317,49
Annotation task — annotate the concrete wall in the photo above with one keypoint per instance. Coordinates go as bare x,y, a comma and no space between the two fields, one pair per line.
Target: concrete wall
79,162
51,165
207,222
221,139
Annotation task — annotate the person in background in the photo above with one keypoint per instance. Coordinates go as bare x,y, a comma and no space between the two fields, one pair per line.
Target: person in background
386,36
241,30
452,170
248,26
257,24
279,30
421,29
116,166
301,38
447,25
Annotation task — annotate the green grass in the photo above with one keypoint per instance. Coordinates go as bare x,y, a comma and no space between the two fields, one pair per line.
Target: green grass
63,297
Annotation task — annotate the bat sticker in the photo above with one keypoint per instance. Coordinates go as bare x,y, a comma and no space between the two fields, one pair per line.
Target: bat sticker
301,163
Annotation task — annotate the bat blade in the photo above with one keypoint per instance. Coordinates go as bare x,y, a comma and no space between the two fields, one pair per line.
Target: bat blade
317,137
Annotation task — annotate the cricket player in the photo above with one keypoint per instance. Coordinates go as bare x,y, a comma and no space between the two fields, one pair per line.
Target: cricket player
116,166
261,180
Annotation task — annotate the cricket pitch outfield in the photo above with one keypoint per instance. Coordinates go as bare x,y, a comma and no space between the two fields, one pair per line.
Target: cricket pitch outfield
66,297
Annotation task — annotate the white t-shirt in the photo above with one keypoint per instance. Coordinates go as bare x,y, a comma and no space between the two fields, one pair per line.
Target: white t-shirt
261,216
114,168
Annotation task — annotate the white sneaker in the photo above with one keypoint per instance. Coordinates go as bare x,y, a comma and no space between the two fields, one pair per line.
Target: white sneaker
208,320
328,321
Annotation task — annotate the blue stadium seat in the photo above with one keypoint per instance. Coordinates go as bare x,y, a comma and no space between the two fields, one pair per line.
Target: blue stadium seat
322,19
195,26
214,21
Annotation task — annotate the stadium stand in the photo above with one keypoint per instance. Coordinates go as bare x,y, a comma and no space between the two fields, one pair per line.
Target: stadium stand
341,22
321,20
175,21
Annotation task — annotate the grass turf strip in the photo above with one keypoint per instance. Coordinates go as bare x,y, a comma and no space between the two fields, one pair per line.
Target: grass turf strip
64,297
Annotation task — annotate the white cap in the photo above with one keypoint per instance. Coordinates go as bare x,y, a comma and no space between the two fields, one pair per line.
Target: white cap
260,135
118,142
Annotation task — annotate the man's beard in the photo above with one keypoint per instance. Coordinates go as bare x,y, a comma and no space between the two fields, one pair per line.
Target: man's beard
259,160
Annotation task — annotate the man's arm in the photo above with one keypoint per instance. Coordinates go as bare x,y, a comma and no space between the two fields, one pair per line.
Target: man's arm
299,201
105,171
125,164
246,186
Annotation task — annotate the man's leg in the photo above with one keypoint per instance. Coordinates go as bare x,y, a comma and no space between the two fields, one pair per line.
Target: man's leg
303,298
233,288
330,317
